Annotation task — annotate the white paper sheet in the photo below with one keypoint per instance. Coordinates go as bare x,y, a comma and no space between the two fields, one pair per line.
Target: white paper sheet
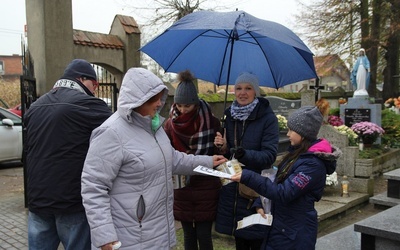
253,220
213,172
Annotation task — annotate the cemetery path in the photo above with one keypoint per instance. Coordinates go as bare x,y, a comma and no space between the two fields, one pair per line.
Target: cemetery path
380,185
11,179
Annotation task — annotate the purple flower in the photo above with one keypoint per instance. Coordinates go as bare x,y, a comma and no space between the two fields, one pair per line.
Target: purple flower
335,120
367,130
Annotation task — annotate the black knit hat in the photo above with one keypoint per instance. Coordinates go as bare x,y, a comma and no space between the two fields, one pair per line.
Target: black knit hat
186,92
306,121
79,68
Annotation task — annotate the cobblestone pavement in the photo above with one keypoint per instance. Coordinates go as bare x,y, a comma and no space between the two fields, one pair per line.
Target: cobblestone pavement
13,217
13,214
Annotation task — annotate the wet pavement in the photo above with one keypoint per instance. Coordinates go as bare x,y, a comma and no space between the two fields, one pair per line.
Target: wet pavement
14,215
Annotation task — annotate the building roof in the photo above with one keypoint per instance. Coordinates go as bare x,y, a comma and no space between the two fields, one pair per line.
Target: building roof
329,65
128,23
87,38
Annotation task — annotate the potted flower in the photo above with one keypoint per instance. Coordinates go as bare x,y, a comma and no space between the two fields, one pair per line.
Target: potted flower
335,120
367,131
282,122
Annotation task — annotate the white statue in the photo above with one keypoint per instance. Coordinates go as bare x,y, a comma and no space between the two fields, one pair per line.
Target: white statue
360,74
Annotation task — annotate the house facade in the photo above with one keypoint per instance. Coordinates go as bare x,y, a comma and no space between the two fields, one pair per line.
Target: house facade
10,67
332,71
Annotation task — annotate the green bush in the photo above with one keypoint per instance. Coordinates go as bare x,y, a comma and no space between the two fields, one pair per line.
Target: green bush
374,151
334,111
391,125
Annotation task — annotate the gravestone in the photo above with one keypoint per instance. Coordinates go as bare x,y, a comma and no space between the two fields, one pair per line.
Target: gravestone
360,109
282,106
345,163
355,115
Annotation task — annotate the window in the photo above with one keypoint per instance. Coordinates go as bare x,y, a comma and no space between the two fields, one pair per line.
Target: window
1,68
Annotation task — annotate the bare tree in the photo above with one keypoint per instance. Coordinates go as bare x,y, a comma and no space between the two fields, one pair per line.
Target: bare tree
391,43
343,26
330,26
157,15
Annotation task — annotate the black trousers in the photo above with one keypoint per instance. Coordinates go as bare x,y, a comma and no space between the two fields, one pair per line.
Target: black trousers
243,244
197,235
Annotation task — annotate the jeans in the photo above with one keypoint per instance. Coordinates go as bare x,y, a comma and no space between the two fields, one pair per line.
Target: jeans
45,232
198,231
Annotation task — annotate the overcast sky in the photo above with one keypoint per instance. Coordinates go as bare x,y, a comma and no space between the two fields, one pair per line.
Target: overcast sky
97,16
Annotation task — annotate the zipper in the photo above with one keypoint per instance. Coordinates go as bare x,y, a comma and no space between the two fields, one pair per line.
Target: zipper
140,210
166,185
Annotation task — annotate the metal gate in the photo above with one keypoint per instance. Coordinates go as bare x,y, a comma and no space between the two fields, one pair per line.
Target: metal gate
28,96
107,90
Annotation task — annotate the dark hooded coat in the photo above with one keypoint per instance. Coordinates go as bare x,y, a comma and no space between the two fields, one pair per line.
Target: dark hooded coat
295,220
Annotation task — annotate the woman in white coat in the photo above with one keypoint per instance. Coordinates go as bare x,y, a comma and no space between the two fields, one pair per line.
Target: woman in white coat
127,177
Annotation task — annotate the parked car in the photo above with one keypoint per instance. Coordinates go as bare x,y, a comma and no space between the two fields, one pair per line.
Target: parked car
10,136
16,110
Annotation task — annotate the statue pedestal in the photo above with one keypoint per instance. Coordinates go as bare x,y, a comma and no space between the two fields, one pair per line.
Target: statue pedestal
360,93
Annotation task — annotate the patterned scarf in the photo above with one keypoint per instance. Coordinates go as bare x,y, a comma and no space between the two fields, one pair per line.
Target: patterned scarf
66,83
241,113
194,132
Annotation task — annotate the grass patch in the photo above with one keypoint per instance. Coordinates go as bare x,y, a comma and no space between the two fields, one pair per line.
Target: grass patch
10,93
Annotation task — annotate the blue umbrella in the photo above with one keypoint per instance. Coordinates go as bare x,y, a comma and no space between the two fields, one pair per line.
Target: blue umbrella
218,46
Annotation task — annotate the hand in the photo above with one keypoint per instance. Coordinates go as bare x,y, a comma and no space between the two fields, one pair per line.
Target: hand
238,152
260,210
109,246
236,177
218,160
219,140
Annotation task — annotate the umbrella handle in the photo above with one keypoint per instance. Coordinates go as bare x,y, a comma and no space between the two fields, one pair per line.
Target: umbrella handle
223,124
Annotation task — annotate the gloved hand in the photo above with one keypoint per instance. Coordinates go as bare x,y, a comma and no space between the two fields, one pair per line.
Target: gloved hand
238,152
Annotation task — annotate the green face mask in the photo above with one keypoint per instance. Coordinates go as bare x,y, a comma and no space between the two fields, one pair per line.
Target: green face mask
155,122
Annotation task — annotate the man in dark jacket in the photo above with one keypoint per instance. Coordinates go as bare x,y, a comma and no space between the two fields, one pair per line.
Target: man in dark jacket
58,128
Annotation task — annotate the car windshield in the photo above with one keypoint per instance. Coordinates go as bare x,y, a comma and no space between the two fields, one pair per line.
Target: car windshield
6,114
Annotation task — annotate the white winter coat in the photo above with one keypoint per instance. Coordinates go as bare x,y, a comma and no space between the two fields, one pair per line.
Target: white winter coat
127,177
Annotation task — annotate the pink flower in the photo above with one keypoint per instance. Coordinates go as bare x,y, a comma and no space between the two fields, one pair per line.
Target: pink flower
335,120
367,130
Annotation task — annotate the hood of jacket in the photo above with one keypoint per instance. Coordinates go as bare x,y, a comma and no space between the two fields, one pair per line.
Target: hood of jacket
138,86
327,153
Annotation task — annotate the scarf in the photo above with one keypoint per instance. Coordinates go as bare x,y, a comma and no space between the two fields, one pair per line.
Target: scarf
155,122
194,132
66,83
241,113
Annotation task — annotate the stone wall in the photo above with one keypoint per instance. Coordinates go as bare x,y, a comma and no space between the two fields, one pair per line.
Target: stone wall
366,168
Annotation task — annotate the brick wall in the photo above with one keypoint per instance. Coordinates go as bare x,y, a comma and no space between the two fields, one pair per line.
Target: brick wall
12,65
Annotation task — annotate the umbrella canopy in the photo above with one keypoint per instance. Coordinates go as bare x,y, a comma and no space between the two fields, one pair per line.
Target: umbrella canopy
218,46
